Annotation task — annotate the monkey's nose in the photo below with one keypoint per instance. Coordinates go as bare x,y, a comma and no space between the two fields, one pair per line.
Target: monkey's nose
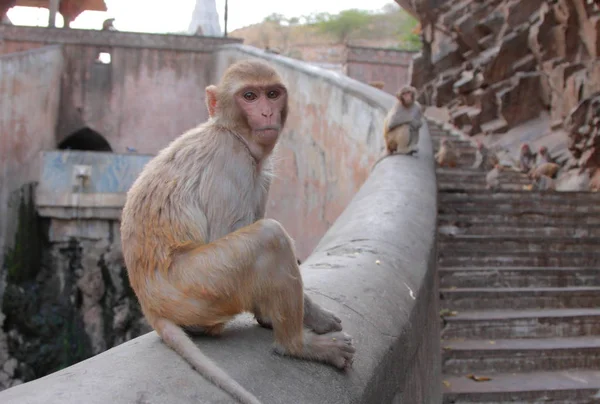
267,114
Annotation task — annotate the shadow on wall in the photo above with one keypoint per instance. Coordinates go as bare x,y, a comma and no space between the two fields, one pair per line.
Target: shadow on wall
374,267
85,139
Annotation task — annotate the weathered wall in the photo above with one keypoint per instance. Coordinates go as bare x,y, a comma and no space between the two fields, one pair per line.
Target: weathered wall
390,66
332,138
152,90
29,103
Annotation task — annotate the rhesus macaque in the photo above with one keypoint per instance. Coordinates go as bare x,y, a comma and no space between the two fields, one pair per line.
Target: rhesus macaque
447,155
485,159
107,25
526,158
544,156
195,242
544,183
402,123
492,179
547,169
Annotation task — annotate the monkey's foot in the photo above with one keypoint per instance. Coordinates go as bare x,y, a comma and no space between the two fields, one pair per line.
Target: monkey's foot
334,348
321,320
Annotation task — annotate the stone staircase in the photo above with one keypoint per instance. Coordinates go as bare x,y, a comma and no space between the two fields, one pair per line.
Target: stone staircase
519,275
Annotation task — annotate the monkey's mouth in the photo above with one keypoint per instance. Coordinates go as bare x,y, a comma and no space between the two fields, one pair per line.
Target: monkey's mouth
268,135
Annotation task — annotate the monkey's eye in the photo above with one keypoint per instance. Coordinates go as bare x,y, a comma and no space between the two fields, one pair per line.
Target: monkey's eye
273,94
250,96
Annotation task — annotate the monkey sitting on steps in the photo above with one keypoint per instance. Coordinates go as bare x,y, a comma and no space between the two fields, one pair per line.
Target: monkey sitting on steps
196,245
402,123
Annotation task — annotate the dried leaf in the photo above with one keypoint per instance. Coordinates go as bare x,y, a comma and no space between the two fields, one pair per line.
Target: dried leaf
492,342
479,378
446,383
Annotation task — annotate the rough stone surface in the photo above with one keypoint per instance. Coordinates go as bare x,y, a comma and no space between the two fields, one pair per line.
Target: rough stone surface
374,267
534,61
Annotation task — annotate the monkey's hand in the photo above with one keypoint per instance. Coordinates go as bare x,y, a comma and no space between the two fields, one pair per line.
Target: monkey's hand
318,319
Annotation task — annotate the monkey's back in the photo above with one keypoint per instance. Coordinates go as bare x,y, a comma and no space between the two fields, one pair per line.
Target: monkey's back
197,189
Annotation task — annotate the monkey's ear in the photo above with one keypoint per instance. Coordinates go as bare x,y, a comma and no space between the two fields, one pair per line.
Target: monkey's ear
211,100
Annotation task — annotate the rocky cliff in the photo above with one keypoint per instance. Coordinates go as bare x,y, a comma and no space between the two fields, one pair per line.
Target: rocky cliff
509,71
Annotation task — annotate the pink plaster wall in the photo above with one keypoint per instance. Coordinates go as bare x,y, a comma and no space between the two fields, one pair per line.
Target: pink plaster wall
28,116
333,137
376,64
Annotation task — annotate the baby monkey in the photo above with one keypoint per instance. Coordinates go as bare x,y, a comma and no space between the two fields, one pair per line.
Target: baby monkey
197,247
402,123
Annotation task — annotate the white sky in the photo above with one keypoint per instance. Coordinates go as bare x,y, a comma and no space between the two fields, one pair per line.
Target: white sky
152,16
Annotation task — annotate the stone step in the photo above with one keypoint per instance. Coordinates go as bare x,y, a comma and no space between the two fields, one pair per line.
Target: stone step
447,259
462,357
447,180
552,387
504,324
518,277
574,230
475,244
461,299
468,172
519,206
467,186
528,218
575,198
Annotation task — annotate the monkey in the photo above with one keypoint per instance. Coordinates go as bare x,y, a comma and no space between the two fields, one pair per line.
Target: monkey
492,178
197,247
544,156
199,31
402,123
447,155
107,25
526,158
544,183
547,169
484,158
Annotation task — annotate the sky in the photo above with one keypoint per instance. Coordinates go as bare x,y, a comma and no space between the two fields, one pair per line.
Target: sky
150,16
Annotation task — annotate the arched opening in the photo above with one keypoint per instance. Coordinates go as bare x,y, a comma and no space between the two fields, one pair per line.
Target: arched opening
85,139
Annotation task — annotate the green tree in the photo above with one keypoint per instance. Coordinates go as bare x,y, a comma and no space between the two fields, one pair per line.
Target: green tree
342,25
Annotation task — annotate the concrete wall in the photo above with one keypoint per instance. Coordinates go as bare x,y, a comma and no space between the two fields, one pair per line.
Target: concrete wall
29,102
391,66
375,267
332,138
99,195
151,91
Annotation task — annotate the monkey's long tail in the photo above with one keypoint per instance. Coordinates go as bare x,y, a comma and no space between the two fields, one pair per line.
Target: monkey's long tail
176,338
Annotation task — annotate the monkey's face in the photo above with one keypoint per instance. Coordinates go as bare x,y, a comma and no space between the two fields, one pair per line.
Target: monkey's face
407,98
265,109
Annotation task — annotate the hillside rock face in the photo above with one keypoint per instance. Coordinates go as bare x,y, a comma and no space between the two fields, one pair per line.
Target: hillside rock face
498,64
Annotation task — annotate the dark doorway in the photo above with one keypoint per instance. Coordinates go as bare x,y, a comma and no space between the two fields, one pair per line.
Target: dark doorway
85,139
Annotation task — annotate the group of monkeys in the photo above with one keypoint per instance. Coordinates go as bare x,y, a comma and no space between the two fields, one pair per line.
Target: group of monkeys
401,135
541,167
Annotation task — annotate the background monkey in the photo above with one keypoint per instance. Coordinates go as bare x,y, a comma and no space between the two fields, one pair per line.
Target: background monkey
485,159
402,123
108,25
195,243
492,178
446,154
526,158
